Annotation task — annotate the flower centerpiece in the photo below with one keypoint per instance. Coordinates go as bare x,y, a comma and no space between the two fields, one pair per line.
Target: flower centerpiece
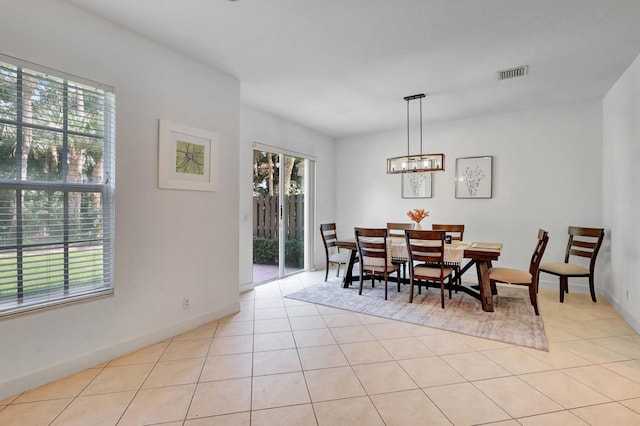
417,215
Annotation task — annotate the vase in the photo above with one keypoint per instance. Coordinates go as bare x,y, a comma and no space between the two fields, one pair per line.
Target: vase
417,226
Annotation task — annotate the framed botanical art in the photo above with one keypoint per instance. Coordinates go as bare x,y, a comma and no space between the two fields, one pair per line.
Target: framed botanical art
416,185
474,177
187,157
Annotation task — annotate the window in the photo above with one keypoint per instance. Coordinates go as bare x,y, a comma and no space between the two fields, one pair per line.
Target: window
56,187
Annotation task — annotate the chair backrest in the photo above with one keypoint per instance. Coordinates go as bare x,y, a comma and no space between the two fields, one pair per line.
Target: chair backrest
371,243
456,231
584,242
329,236
397,229
425,246
543,239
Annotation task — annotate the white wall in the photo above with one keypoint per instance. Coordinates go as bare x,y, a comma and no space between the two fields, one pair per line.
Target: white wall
170,244
546,174
264,128
621,199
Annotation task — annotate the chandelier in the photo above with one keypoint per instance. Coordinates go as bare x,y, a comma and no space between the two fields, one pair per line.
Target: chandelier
418,162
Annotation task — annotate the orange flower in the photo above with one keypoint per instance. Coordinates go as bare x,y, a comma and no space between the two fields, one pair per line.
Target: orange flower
417,215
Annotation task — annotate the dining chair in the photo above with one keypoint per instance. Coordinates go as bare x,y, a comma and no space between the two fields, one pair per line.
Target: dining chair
456,232
585,243
426,260
396,230
331,250
372,250
522,277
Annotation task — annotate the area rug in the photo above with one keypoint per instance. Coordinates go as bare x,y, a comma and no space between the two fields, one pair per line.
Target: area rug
513,320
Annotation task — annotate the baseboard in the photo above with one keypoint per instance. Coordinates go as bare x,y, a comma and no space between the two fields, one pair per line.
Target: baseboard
247,287
81,362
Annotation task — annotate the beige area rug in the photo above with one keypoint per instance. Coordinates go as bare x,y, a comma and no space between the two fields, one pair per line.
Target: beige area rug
513,320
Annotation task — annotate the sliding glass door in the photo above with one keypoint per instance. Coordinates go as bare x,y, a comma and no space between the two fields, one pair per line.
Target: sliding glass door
279,201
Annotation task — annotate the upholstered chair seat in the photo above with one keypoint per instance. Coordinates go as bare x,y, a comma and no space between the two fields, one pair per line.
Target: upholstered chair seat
331,250
372,251
426,261
521,276
583,243
560,268
428,272
339,257
509,275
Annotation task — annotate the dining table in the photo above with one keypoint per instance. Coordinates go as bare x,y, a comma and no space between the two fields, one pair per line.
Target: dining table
479,254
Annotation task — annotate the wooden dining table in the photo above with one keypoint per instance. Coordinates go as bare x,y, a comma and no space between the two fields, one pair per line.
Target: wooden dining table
477,253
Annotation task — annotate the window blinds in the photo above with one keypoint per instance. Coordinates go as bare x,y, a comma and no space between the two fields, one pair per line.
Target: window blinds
57,152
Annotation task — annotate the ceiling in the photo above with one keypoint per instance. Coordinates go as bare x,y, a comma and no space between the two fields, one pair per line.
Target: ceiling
343,66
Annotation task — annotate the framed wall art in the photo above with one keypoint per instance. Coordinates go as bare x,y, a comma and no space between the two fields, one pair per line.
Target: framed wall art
416,185
474,177
187,157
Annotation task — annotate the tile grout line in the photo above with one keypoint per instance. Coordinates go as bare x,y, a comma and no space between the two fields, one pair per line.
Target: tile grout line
304,376
600,363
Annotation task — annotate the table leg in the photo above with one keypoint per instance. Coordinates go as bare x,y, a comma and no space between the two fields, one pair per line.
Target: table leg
485,288
348,279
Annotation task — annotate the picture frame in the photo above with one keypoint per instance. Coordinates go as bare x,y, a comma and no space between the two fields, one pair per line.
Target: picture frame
416,185
187,157
474,177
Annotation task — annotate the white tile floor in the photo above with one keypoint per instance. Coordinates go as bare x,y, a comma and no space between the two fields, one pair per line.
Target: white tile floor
285,362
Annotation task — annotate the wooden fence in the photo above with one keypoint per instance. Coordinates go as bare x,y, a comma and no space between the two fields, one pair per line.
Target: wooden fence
265,217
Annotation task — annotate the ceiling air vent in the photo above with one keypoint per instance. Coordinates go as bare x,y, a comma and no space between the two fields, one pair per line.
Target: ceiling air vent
513,72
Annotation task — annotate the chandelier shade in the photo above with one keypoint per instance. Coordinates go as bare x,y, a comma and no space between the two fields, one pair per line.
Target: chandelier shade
416,163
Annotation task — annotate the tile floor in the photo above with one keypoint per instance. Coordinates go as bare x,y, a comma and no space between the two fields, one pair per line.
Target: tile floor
285,362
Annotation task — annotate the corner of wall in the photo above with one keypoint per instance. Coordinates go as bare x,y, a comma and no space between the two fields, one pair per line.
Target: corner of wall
629,317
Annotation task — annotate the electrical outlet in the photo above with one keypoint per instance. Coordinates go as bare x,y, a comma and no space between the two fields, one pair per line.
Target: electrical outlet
185,303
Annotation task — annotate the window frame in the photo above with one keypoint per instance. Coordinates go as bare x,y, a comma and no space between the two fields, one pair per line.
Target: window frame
62,293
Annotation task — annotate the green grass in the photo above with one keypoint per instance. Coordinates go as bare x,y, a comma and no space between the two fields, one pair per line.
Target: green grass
44,272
